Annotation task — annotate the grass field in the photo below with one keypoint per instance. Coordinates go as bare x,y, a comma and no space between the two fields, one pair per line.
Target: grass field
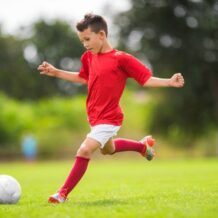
118,188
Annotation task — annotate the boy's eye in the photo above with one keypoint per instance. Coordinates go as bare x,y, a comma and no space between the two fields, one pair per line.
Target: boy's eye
87,39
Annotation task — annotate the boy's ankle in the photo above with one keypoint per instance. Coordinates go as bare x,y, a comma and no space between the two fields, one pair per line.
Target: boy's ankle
63,192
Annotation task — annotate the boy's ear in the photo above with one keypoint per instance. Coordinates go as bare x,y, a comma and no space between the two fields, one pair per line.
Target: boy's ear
102,34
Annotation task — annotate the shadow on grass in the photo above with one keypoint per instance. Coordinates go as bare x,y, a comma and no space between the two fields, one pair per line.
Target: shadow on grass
102,203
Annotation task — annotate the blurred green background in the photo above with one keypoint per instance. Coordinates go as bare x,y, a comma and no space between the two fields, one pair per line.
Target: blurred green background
168,36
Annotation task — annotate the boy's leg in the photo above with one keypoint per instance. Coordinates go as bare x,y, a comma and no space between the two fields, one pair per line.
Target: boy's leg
109,147
144,146
78,170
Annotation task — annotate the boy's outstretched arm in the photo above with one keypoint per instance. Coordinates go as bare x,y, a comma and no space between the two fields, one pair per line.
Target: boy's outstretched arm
47,69
176,80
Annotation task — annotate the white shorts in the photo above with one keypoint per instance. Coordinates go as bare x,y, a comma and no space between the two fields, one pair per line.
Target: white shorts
103,132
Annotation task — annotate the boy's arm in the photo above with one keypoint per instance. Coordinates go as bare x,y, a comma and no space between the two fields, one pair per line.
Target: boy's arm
49,70
176,80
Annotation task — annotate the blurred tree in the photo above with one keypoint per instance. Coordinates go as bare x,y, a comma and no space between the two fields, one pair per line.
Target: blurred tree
58,44
55,42
177,36
15,78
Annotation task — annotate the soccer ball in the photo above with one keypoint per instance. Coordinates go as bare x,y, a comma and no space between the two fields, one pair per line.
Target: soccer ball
10,190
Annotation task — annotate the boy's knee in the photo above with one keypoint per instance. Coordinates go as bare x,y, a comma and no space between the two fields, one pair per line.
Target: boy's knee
105,152
84,151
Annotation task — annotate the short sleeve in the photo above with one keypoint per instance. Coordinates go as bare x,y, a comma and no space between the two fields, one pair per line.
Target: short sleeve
134,68
84,70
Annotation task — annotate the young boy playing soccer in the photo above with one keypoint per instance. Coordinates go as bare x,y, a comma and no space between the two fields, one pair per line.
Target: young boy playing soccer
104,70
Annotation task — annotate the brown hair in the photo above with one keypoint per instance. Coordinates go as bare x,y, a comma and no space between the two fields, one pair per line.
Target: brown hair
95,22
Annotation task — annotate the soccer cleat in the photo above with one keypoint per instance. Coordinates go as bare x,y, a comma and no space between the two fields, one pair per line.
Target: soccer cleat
148,152
57,198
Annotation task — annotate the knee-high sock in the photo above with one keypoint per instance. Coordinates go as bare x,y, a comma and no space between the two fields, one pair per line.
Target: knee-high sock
78,170
128,145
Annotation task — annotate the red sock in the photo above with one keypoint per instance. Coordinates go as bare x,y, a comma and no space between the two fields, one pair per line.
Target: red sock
75,175
128,145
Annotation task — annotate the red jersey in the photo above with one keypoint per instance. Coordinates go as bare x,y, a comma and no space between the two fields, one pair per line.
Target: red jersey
106,75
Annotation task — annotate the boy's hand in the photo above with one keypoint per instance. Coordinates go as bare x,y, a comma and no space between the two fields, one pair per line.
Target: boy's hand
47,69
177,80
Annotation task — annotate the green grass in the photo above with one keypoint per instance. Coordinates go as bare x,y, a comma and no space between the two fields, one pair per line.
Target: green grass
118,188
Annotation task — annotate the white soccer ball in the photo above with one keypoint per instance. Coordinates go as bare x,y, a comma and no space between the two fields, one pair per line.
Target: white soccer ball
10,190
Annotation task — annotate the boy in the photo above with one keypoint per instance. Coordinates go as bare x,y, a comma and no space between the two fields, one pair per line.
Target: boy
104,70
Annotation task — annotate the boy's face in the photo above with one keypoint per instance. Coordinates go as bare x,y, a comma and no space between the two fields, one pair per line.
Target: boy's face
92,41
